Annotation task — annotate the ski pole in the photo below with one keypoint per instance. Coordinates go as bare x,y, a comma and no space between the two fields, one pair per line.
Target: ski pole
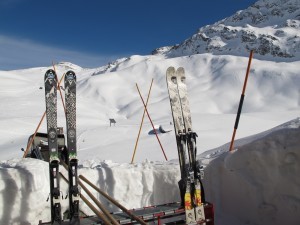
241,102
94,209
58,86
88,203
103,209
151,122
33,136
141,125
38,127
113,201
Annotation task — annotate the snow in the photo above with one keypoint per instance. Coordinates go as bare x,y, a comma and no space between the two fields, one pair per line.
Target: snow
256,28
255,184
232,180
265,174
25,183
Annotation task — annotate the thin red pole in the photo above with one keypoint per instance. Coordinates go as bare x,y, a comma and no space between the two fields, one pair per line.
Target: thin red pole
141,125
33,136
241,102
58,87
151,122
38,127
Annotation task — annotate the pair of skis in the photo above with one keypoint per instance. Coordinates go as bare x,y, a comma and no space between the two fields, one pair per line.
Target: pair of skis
51,114
191,189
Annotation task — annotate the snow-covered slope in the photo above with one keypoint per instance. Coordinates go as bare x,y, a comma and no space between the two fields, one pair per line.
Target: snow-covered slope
269,27
214,83
215,79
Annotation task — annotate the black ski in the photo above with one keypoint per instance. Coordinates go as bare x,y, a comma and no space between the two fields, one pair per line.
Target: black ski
51,115
70,98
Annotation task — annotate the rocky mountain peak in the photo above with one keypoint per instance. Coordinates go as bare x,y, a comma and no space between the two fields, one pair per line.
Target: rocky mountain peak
269,27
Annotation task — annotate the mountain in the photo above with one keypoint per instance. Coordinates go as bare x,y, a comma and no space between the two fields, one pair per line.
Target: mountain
269,27
257,183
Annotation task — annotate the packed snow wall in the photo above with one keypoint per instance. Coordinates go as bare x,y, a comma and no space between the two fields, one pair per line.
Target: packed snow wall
24,187
258,183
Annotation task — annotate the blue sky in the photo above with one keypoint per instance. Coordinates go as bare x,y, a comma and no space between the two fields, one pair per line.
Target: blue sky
92,33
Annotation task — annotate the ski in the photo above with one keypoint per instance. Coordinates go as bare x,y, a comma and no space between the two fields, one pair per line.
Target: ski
199,206
191,187
70,99
194,168
51,115
188,204
178,127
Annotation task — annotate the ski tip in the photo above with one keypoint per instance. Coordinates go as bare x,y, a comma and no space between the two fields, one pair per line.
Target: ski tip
50,71
70,75
180,70
70,72
50,74
171,69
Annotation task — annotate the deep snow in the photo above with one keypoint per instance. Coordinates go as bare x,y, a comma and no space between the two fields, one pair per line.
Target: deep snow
257,184
214,84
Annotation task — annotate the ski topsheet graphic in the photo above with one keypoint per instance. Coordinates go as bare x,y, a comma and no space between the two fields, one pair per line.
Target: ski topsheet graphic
185,105
51,115
70,99
190,184
178,126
